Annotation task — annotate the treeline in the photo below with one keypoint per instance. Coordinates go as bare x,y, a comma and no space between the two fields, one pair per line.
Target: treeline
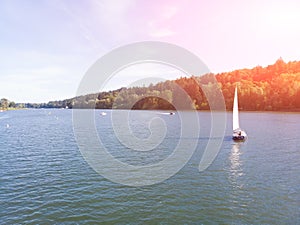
7,104
273,88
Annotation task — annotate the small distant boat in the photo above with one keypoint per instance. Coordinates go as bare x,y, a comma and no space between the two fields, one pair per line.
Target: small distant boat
172,113
238,133
103,113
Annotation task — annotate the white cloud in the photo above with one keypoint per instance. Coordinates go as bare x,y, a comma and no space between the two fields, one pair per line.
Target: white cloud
107,22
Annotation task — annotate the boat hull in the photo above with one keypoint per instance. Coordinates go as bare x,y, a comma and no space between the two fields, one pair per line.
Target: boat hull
239,135
239,138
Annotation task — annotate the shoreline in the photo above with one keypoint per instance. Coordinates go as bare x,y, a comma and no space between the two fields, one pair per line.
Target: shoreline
11,109
206,110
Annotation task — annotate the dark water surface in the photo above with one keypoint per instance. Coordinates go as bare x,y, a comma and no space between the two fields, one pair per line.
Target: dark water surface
45,180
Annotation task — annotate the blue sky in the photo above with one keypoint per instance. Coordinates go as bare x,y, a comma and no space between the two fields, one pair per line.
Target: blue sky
48,45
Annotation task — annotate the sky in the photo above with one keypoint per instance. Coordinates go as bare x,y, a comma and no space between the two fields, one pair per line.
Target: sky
47,46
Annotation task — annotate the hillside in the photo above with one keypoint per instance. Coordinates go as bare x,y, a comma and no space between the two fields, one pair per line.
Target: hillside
272,88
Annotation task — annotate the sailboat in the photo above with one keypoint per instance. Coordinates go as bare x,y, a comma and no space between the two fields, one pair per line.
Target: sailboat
238,133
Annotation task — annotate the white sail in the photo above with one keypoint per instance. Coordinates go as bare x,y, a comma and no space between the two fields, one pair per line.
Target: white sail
235,116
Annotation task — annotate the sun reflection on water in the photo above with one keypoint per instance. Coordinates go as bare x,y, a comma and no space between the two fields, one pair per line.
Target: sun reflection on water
236,165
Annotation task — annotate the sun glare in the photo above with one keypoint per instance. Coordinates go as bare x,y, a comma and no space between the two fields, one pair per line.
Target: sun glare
283,16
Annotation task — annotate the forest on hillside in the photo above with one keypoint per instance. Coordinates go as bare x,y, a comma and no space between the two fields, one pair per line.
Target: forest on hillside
272,88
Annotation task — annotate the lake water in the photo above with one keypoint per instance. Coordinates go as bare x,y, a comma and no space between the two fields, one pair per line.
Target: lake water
45,180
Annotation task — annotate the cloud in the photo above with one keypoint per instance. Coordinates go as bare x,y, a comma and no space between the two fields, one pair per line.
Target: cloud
101,23
48,46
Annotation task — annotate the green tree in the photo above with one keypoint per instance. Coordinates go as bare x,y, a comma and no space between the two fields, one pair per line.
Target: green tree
4,103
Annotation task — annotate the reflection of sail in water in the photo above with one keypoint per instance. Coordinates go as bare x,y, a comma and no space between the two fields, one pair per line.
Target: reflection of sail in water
236,164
